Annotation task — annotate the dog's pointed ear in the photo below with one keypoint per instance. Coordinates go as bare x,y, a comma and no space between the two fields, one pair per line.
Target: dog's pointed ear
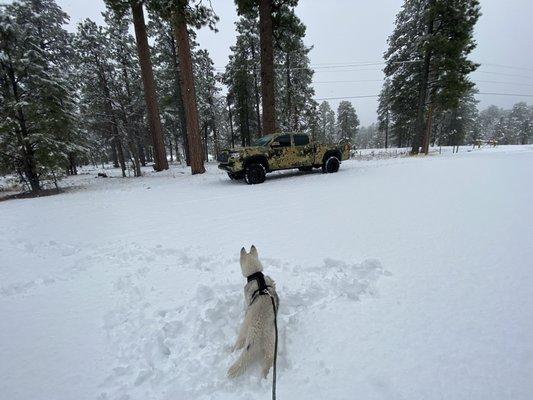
253,251
243,253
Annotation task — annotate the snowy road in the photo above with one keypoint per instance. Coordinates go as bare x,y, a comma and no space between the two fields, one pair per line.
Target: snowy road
399,279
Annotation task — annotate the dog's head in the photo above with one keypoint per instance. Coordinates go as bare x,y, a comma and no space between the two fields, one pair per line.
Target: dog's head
250,263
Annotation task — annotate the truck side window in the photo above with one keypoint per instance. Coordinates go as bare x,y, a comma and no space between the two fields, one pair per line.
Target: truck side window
284,140
301,140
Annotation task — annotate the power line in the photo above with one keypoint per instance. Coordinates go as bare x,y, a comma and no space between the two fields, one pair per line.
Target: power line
503,74
347,97
376,95
507,66
505,94
357,80
381,80
506,83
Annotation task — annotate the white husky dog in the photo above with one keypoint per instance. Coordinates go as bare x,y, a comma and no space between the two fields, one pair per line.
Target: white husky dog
257,333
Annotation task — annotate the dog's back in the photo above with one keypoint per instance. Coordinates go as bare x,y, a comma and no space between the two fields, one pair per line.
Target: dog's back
257,334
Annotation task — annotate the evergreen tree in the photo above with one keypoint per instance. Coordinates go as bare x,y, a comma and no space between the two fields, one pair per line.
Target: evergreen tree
458,125
347,121
326,122
207,94
97,75
487,121
384,113
121,7
241,77
38,134
182,15
520,123
169,84
427,65
294,76
126,91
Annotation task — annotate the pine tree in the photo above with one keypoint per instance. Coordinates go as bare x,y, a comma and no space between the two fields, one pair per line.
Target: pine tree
167,72
294,76
487,121
427,65
125,90
208,94
97,74
38,134
384,113
121,7
241,77
347,121
458,125
326,122
520,122
182,14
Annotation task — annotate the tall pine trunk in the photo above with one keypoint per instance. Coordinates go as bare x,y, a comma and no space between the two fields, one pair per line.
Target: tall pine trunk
256,91
387,129
420,126
267,67
187,90
230,116
179,100
154,121
27,152
427,133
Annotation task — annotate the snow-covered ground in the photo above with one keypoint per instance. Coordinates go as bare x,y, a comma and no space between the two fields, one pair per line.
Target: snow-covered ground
402,278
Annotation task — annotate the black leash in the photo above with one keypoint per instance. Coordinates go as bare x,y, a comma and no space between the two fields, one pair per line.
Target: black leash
275,347
263,290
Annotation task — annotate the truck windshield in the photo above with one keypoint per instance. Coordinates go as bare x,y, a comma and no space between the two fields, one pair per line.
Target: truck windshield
262,141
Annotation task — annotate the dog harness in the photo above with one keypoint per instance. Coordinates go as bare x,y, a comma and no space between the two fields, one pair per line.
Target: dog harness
262,286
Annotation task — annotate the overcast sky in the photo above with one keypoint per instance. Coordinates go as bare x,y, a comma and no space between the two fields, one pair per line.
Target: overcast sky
355,32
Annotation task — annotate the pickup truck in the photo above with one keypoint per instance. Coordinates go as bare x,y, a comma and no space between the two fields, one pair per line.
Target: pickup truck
281,151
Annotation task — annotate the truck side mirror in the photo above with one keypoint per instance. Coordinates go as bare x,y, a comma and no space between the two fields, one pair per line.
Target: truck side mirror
274,144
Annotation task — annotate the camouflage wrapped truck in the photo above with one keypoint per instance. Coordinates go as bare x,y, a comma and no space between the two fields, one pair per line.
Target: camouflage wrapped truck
281,151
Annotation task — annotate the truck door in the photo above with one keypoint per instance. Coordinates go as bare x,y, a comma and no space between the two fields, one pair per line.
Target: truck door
281,152
304,150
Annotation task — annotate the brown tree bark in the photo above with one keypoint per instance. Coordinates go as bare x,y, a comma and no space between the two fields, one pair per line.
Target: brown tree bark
427,133
188,91
179,100
256,91
28,153
230,116
154,121
387,130
422,91
267,67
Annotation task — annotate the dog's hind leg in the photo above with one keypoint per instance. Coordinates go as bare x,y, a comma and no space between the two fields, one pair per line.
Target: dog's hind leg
243,331
267,353
242,362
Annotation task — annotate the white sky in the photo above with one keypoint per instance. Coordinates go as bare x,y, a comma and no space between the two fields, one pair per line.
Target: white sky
354,32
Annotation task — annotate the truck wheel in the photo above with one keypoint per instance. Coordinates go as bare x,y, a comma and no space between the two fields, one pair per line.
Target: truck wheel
255,173
331,164
235,175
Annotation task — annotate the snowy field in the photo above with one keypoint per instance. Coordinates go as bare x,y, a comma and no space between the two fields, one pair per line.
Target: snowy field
402,278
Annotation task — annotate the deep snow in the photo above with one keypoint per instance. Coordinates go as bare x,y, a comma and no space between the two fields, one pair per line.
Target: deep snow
404,278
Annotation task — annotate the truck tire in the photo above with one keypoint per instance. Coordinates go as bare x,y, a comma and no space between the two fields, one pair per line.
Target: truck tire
331,164
235,175
254,174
